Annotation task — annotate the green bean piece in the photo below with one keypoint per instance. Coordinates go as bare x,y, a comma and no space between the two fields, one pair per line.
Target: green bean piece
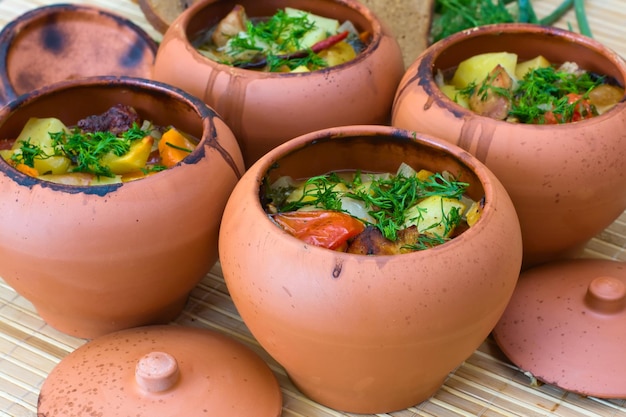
524,16
557,13
581,17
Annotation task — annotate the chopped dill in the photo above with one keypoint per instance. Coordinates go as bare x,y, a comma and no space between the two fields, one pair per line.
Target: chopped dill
276,38
84,149
542,90
386,198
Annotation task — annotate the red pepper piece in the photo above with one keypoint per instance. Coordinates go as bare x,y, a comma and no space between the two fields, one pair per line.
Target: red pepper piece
324,228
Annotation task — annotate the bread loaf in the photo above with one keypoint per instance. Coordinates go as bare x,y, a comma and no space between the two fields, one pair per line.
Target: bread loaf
408,20
161,13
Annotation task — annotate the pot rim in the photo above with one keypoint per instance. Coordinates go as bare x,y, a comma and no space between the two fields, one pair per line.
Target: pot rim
180,25
487,179
204,113
425,76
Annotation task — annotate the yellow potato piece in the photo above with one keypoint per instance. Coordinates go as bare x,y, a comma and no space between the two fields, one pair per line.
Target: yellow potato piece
338,54
473,214
476,68
430,215
324,27
52,165
37,131
306,192
135,159
301,68
424,174
523,67
453,94
604,97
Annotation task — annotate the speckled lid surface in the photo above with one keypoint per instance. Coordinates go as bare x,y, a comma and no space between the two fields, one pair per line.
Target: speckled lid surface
165,371
68,41
566,325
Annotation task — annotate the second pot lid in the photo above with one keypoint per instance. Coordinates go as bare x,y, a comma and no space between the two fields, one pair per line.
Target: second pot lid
566,325
165,371
67,41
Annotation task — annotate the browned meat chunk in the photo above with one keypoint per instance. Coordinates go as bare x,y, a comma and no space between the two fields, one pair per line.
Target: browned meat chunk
116,120
372,242
493,98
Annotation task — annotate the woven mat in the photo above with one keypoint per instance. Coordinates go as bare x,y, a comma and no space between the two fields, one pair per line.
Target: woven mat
486,384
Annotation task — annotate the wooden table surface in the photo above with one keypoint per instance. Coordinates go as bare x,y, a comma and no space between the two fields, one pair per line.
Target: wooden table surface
486,384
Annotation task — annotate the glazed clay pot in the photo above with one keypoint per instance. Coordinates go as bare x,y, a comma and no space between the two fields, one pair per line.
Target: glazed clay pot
567,181
69,41
265,109
95,259
358,333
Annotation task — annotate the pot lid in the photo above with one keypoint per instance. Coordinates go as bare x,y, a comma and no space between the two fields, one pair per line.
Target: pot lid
161,371
566,325
68,41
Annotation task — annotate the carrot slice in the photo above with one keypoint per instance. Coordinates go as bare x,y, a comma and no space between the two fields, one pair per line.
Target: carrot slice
174,147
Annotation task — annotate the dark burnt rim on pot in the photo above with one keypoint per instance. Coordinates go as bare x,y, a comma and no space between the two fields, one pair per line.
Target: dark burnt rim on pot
204,113
13,29
450,51
262,168
190,28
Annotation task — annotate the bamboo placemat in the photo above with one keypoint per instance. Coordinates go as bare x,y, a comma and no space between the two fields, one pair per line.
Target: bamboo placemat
486,384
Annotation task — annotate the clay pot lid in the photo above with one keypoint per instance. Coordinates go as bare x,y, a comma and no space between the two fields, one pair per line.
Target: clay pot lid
566,325
68,41
161,371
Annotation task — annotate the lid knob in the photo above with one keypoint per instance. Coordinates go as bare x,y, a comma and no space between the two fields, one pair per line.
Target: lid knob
606,295
156,372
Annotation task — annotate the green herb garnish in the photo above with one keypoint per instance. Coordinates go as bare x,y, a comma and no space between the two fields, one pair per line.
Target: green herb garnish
319,191
386,198
546,89
452,16
273,40
28,153
84,149
542,90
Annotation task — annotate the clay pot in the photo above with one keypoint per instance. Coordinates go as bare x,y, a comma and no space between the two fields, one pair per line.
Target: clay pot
95,259
68,41
368,334
165,371
266,109
567,181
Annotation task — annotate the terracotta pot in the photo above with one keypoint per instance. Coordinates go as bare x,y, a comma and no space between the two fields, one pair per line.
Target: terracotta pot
567,181
68,41
94,259
266,109
165,371
368,334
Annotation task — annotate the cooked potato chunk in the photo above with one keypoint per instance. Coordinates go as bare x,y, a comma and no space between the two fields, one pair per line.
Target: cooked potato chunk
476,68
523,67
323,26
37,131
432,215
